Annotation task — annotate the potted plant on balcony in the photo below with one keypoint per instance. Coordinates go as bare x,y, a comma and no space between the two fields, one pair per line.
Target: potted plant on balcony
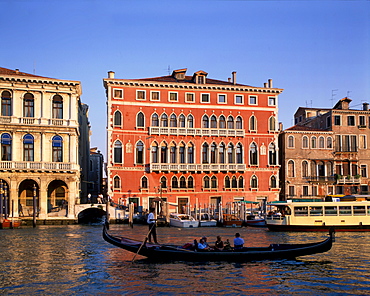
358,176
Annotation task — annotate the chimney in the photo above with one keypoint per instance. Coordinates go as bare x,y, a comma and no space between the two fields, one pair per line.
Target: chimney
110,74
229,79
234,77
270,83
265,85
365,106
16,71
280,126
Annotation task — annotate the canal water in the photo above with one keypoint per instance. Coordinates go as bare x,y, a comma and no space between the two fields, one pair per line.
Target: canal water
75,260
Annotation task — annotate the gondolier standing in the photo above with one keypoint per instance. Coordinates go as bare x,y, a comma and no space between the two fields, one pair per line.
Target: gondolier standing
152,226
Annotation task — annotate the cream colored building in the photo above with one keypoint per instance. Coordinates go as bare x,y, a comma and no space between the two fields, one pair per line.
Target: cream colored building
39,133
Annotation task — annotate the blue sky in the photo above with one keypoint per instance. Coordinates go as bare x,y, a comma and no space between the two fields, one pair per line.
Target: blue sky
308,48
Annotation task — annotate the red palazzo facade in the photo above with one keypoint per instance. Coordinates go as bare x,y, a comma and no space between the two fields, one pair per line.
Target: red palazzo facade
191,139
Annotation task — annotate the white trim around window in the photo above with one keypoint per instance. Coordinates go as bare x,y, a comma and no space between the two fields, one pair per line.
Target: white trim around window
152,92
239,99
220,96
118,93
253,100
190,95
274,100
140,95
173,96
205,95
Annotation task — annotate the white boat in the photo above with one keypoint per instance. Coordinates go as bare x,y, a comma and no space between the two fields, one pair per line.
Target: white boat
207,221
255,220
317,215
183,221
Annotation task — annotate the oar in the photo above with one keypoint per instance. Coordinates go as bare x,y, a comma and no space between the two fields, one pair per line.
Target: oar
143,243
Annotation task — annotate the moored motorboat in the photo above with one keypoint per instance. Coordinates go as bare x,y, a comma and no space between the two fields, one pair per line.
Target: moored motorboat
207,221
159,252
183,221
255,220
10,223
230,220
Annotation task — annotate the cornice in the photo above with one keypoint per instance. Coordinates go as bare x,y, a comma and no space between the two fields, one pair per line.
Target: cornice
38,80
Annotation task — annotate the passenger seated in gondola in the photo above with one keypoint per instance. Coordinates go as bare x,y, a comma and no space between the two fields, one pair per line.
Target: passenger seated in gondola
227,245
203,246
219,244
238,242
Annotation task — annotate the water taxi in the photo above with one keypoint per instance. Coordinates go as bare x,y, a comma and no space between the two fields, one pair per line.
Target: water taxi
344,214
183,220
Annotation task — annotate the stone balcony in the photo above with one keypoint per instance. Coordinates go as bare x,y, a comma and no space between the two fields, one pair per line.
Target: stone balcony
166,167
204,132
34,166
348,180
37,121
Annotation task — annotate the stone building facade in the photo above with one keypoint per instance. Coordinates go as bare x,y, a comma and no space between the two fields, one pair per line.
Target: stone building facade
189,138
40,146
326,152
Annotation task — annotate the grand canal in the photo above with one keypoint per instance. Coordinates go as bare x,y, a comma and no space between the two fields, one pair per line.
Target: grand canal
75,260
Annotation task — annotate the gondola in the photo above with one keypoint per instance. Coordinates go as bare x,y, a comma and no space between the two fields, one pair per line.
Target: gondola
159,252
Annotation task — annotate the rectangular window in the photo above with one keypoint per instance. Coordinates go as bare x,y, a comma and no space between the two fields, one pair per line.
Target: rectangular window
118,93
345,211
252,100
140,95
291,190
300,211
331,211
272,101
315,211
328,121
363,142
239,99
359,211
305,190
172,97
154,95
222,99
351,120
190,97
362,122
314,190
205,98
363,170
336,119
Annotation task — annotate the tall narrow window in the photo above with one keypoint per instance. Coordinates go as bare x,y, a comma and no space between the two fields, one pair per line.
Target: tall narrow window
6,104
206,182
254,182
273,182
213,152
190,121
173,153
190,182
221,153
304,169
190,153
182,152
205,121
253,154
239,153
329,142
291,169
205,153
272,124
155,153
116,182
227,182
164,120
234,183
291,142
57,107
304,142
164,153
182,182
174,182
140,119
222,121
164,182
173,120
117,121
313,142
182,120
272,154
252,123
239,122
57,145
321,142
140,153
155,119
230,153
144,182
6,147
213,121
117,152
241,182
28,148
230,122
28,105
214,182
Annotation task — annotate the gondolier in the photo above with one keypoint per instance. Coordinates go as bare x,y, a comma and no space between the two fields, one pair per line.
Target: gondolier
152,226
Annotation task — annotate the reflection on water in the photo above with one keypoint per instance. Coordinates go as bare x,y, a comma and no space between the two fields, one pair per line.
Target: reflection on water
75,260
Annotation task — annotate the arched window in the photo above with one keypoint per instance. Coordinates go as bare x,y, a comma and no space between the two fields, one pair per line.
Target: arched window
252,123
304,169
321,169
272,124
222,121
253,154
182,120
140,119
213,121
230,122
329,142
190,121
117,152
57,145
291,173
329,168
6,147
239,153
173,120
205,121
321,142
254,182
155,158
206,183
182,182
205,153
144,182
173,149
313,168
273,183
190,153
227,182
57,107
230,153
182,152
304,142
163,182
234,182
164,120
272,154
117,121
213,152
241,182
190,182
6,103
116,182
28,105
155,119
28,148
221,153
214,182
164,150
174,182
140,152
313,142
239,122
291,142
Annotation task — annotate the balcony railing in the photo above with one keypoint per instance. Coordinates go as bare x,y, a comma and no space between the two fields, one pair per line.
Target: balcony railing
196,167
207,132
348,180
38,166
36,121
321,179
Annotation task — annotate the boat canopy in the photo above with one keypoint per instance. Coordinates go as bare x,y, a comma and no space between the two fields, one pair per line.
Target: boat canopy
247,202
